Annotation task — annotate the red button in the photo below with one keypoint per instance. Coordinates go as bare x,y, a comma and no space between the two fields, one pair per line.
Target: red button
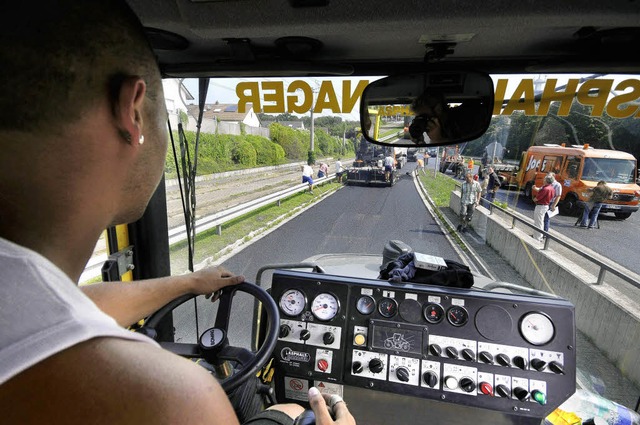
486,388
323,365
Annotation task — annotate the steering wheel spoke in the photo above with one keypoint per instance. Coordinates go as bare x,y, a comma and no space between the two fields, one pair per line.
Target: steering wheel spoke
237,354
246,362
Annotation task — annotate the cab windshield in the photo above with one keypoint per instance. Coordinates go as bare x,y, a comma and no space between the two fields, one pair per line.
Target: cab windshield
253,205
609,170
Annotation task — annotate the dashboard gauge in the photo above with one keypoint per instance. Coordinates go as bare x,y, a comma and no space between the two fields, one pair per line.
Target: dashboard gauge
457,315
325,306
537,328
292,302
366,304
388,307
433,313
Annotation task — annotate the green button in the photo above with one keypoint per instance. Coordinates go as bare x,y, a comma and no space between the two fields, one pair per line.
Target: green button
539,397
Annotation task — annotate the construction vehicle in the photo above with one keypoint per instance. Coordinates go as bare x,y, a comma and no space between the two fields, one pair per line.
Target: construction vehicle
578,169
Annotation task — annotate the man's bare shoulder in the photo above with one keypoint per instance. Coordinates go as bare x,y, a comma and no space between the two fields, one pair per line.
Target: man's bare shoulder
108,380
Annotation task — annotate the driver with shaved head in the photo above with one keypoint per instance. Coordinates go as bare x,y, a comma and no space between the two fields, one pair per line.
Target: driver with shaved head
83,138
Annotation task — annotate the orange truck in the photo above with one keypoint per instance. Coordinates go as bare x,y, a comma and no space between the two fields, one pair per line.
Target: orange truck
579,169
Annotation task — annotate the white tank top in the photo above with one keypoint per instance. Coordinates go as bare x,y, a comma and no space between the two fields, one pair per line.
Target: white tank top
42,312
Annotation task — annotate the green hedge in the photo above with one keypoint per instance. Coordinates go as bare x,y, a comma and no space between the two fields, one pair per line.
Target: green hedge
225,152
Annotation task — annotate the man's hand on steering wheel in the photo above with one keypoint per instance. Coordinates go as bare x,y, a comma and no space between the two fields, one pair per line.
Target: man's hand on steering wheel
209,281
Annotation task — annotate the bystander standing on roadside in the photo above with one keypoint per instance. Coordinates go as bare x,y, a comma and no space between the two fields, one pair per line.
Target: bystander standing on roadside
599,194
557,190
419,163
542,199
339,170
493,184
323,170
307,176
469,200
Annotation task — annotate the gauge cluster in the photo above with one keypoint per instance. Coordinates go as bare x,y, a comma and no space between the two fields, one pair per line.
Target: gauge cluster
505,352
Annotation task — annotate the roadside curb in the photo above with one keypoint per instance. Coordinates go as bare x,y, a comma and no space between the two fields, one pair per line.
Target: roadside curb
468,254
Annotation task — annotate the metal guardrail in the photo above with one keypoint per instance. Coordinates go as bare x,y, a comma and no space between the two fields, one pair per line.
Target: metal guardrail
179,234
604,267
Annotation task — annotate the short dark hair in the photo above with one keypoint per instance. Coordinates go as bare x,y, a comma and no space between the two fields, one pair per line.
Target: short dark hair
59,56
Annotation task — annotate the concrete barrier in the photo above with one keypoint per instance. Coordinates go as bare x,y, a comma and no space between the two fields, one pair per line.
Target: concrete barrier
602,312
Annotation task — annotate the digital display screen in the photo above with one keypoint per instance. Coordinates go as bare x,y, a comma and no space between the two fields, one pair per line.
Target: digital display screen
393,338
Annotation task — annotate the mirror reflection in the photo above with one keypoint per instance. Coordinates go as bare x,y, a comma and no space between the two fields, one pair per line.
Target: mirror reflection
436,108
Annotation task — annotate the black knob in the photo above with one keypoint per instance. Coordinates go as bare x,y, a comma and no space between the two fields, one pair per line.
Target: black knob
357,367
468,355
503,391
503,360
435,350
285,330
556,368
452,352
305,334
328,338
430,378
486,357
521,394
520,362
538,364
402,373
375,365
467,385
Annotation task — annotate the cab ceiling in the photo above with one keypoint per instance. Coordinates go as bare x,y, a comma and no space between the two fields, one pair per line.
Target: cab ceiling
268,38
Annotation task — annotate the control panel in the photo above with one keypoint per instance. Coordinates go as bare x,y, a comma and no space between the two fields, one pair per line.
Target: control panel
506,352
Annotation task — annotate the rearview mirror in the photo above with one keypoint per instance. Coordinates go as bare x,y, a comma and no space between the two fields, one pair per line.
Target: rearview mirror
433,108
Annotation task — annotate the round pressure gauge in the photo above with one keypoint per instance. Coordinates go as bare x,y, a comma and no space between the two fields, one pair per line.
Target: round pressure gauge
457,315
537,328
325,306
388,307
292,302
366,304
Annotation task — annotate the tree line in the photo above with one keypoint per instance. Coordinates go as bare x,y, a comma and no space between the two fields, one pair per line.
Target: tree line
518,132
225,152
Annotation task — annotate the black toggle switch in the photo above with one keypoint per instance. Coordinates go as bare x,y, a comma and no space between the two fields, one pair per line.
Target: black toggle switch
435,350
452,352
402,373
503,391
556,368
430,379
538,364
357,367
467,385
468,355
486,357
520,362
521,394
328,338
503,360
376,365
305,334
285,330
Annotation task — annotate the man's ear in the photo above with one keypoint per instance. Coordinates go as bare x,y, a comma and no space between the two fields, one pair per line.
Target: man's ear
129,101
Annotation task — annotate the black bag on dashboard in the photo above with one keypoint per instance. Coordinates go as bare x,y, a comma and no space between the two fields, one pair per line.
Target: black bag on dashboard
403,269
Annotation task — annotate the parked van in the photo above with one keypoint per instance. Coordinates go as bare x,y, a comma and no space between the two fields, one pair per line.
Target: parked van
578,169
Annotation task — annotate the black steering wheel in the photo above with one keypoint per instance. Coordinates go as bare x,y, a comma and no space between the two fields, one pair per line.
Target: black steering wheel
213,344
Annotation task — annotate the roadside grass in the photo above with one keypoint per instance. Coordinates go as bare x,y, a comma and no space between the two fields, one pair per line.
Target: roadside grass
210,246
439,187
